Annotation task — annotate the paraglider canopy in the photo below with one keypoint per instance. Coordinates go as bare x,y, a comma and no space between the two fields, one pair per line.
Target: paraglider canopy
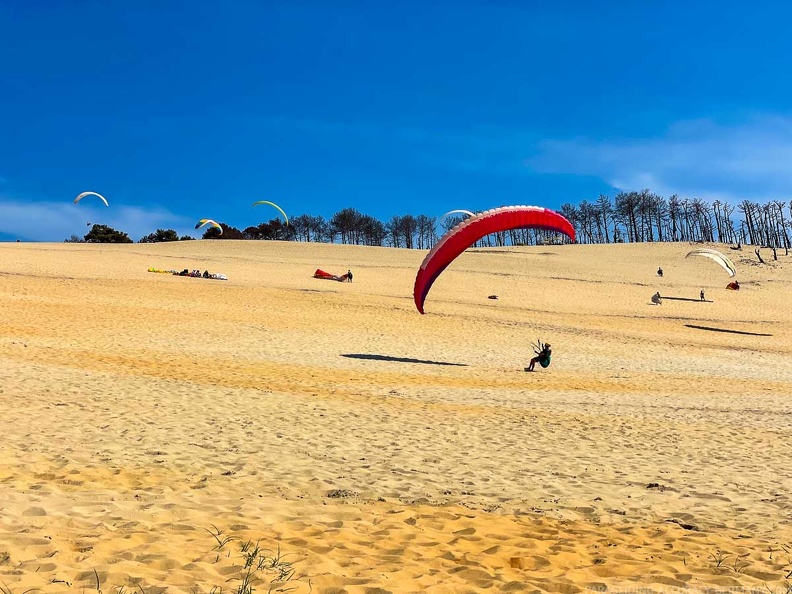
210,222
715,255
458,211
273,205
84,194
466,233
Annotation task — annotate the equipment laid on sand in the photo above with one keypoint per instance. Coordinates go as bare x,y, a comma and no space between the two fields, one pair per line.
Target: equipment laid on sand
193,274
733,286
321,274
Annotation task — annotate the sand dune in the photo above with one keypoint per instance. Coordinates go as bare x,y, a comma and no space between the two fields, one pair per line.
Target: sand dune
382,450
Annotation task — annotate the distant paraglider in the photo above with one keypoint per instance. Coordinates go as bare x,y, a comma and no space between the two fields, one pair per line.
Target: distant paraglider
458,211
461,237
273,205
84,194
211,223
715,255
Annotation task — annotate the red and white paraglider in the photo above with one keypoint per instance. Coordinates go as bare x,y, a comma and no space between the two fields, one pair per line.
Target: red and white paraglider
469,231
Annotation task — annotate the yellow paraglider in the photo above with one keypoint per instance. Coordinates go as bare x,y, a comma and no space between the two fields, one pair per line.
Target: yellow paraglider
715,255
274,205
211,223
84,194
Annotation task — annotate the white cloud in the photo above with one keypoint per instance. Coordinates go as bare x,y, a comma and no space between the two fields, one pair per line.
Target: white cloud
699,158
51,221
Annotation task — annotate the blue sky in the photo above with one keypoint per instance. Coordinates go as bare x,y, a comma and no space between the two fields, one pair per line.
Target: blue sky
181,110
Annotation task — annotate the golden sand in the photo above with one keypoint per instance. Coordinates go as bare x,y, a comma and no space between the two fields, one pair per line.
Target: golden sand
385,451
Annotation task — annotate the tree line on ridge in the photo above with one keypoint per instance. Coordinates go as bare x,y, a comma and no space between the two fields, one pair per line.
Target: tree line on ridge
631,217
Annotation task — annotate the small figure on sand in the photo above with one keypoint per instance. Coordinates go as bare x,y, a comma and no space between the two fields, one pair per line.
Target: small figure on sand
656,299
659,271
349,276
543,355
702,295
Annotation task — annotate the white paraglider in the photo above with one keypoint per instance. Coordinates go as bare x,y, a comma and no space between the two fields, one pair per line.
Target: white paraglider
458,211
84,194
715,255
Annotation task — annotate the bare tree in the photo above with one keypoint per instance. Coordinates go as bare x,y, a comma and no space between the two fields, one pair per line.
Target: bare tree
604,215
409,228
427,231
749,212
571,214
626,209
309,228
401,231
675,217
393,229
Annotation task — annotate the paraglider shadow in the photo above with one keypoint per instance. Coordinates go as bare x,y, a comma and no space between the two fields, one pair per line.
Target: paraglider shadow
398,359
711,329
688,299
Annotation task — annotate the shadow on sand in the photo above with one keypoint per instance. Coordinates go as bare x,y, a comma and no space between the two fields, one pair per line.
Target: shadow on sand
398,359
687,299
711,329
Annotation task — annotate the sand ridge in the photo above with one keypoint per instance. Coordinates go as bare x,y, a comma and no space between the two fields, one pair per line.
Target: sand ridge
383,449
